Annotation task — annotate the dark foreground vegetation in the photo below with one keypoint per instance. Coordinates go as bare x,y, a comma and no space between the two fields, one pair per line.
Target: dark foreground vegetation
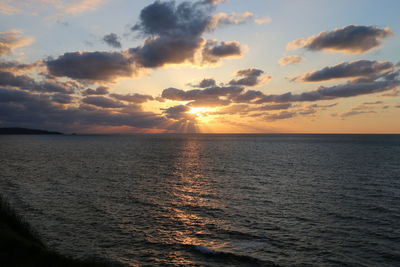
16,130
20,246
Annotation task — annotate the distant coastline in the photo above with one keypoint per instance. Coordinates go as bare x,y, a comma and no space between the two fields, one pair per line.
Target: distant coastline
26,131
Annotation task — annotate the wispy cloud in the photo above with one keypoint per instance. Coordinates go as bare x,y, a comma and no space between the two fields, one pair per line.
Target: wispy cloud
7,8
262,20
355,112
280,116
290,60
11,40
222,19
81,6
73,7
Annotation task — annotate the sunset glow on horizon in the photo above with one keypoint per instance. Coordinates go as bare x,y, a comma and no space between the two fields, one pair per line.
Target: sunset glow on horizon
200,66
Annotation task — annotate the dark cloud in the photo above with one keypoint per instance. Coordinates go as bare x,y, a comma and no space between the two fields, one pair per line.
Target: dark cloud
167,18
379,81
9,79
366,107
11,95
167,50
280,116
62,98
274,107
248,110
326,93
25,109
56,87
395,75
180,112
133,98
103,102
175,34
351,39
249,72
373,103
176,94
209,102
307,111
164,18
214,51
97,66
354,113
248,96
112,40
14,66
321,106
212,92
101,90
251,77
360,68
205,83
337,91
25,82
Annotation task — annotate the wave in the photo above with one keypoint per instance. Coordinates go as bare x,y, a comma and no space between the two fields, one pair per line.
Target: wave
230,257
212,255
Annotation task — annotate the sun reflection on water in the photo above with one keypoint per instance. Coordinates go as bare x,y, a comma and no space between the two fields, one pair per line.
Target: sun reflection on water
190,195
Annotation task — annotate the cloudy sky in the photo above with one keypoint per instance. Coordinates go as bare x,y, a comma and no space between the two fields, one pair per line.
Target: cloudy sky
259,66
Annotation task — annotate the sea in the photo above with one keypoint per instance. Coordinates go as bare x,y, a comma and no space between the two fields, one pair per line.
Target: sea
210,199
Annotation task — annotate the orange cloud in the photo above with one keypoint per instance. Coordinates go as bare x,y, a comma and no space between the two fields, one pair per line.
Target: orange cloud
290,60
11,40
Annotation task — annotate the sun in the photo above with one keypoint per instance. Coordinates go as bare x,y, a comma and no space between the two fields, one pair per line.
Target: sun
199,111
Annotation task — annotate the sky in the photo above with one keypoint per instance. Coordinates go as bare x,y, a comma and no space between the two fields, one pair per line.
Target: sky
209,66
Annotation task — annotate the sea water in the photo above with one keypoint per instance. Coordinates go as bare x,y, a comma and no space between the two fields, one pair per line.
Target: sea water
210,200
